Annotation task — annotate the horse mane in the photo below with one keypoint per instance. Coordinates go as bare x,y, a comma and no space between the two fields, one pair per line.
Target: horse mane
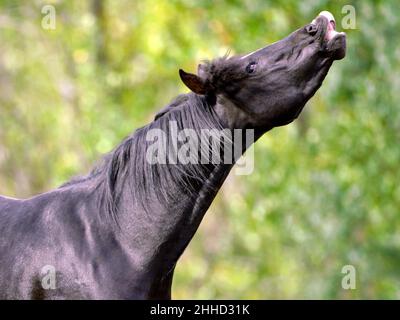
126,165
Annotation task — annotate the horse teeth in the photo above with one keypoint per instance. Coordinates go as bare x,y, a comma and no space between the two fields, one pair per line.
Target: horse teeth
328,15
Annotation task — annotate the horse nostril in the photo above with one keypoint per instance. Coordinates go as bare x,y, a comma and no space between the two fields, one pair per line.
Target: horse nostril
311,29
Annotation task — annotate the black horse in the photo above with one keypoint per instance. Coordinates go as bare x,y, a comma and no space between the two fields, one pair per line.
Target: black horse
118,232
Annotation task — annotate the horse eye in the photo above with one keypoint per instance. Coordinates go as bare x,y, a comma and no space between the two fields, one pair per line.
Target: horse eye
251,67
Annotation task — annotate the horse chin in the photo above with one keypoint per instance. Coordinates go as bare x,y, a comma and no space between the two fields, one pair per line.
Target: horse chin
337,46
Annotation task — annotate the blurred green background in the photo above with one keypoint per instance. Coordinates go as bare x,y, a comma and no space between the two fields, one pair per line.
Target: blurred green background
325,191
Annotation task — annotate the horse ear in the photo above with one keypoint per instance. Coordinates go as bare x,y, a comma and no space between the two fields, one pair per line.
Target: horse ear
193,82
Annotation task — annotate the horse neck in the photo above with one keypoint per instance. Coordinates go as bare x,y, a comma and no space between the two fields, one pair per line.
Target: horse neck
157,229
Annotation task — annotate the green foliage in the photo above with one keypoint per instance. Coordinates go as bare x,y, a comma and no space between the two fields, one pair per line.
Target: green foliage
325,191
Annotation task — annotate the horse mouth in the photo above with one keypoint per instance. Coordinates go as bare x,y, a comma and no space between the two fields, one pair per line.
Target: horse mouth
335,41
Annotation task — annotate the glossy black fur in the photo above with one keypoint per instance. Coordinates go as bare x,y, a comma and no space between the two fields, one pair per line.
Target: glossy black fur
119,232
